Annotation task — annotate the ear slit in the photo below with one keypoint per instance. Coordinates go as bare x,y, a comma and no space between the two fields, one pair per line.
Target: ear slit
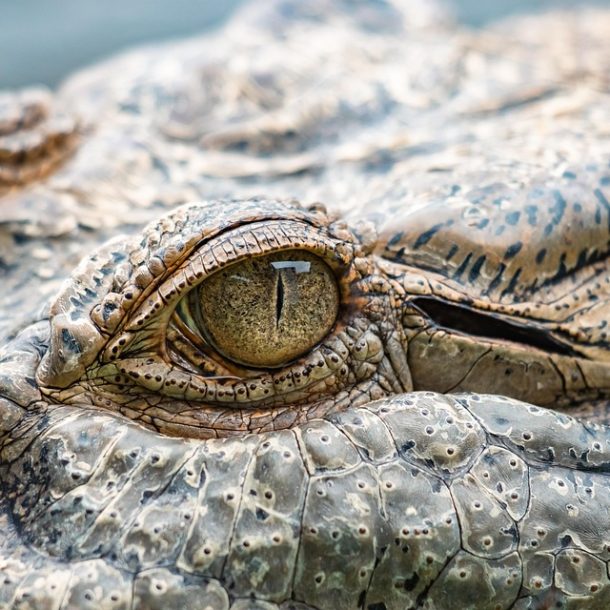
487,325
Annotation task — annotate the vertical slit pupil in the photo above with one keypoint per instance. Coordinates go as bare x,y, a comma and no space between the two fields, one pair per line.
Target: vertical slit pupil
279,302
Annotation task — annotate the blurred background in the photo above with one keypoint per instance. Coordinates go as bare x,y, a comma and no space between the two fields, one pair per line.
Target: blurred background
42,41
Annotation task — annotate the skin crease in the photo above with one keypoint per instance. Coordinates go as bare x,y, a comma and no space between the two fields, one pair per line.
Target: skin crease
140,467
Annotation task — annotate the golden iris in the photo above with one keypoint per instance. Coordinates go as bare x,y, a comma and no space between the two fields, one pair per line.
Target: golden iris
269,310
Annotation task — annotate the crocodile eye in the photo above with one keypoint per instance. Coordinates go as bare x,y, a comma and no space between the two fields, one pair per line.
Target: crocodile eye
267,311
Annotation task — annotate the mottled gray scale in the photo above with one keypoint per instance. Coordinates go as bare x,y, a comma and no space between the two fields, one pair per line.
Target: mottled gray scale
538,574
266,530
35,588
159,534
17,361
487,528
387,534
565,439
580,573
95,505
325,448
504,476
10,414
209,544
368,434
72,460
341,526
424,534
248,604
482,584
161,589
96,584
567,520
439,436
252,604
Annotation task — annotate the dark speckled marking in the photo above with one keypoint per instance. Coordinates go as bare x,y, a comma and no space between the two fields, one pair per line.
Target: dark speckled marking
476,268
498,279
602,199
532,215
70,341
558,211
569,175
512,218
482,223
605,181
452,252
460,270
510,289
582,258
513,250
426,236
395,239
540,256
561,268
559,208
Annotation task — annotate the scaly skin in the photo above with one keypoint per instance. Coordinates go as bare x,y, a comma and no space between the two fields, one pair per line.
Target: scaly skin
421,500
325,498
468,233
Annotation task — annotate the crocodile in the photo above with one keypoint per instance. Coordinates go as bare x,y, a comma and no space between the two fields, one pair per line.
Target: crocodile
308,326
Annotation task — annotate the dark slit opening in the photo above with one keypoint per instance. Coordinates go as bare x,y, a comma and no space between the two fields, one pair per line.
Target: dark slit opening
469,321
279,301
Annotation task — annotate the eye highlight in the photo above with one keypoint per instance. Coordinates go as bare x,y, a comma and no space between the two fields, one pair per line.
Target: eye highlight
268,310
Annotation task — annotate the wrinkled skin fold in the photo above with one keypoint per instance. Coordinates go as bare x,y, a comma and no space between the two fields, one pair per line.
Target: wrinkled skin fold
441,446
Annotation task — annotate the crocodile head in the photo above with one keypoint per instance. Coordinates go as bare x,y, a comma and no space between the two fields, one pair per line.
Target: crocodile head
170,438
300,474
